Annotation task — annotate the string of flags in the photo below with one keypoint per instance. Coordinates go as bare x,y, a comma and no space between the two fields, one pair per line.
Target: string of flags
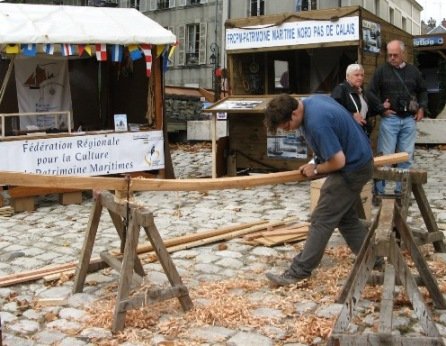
103,52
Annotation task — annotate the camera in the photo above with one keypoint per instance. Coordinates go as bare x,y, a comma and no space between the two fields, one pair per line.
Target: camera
406,104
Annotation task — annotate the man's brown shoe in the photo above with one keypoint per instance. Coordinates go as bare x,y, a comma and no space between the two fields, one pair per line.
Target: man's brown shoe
284,279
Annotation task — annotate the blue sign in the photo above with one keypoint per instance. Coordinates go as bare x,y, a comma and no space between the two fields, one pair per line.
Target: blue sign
428,41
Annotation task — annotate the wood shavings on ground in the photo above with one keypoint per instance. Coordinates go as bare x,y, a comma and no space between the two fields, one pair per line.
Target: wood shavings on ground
238,304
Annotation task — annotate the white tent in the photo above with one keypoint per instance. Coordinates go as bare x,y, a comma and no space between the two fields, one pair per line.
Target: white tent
22,23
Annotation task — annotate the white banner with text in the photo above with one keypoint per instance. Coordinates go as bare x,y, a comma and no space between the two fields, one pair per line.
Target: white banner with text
293,33
85,155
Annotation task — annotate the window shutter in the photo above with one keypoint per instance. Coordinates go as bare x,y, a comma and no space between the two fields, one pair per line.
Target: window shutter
203,1
171,3
181,45
153,5
144,5
202,44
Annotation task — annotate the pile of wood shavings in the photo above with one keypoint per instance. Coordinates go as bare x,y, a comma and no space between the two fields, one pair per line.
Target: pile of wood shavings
228,304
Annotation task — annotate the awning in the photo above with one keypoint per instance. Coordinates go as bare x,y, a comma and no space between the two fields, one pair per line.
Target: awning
23,23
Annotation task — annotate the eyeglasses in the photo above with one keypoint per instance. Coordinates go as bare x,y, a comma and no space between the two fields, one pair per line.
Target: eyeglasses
393,55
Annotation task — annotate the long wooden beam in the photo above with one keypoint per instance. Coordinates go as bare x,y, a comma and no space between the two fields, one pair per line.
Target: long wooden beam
142,184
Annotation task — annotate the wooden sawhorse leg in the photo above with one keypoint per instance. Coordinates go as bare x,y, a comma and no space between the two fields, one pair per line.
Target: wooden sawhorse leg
383,243
103,199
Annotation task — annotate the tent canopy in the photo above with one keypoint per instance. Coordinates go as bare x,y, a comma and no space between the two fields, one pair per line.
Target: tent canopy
22,23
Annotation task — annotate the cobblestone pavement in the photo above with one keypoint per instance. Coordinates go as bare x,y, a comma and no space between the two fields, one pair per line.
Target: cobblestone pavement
54,234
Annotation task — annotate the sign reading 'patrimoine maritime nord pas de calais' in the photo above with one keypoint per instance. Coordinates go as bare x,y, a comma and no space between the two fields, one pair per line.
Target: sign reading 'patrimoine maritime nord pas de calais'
85,155
293,33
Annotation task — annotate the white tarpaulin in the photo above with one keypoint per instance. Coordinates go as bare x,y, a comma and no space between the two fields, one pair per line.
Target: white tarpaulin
42,86
22,23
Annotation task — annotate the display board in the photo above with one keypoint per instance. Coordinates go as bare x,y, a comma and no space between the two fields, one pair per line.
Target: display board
85,155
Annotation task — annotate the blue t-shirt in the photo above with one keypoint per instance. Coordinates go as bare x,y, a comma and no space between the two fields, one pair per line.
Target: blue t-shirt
328,128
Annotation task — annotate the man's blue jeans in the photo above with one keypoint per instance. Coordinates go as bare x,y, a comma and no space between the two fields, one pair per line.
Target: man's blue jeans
396,134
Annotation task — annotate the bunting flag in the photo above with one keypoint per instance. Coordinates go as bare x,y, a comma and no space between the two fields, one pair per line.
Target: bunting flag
168,57
134,51
29,49
147,50
101,52
160,48
84,48
116,52
67,49
12,49
48,48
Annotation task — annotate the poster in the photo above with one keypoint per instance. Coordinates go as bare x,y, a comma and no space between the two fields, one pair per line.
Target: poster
371,36
287,144
42,86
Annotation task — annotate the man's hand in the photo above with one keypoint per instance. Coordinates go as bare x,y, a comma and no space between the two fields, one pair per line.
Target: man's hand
334,163
308,169
388,112
419,115
359,119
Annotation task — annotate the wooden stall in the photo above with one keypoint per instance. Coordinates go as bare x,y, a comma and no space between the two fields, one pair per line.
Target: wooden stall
297,53
82,91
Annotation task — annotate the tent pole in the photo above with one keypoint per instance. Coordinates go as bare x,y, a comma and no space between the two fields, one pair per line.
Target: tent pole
6,79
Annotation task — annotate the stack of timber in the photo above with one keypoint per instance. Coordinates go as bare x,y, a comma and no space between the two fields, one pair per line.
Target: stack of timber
287,234
6,211
147,254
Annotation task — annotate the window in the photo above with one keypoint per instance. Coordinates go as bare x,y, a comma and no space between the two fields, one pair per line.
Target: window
404,23
192,43
377,7
159,4
129,4
257,8
391,15
163,4
306,5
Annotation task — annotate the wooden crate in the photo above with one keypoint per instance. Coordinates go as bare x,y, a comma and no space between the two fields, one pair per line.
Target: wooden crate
366,196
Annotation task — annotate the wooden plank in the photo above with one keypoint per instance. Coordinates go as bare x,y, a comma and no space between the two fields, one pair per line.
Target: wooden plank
427,214
28,191
152,296
396,174
31,275
283,239
164,258
359,261
293,228
116,264
126,272
386,310
385,227
204,184
201,235
384,340
419,307
87,247
355,284
422,267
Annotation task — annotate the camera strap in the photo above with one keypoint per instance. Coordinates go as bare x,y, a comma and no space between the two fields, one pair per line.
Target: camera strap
402,82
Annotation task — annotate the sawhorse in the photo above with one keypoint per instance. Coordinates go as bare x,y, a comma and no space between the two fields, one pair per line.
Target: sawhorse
412,182
135,217
383,243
